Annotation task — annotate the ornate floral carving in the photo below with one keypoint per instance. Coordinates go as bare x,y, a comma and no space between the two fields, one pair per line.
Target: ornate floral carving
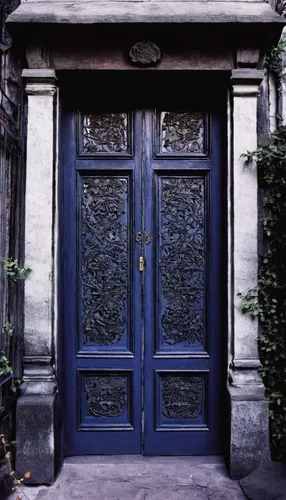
145,53
182,132
182,397
141,236
106,396
104,259
105,133
182,260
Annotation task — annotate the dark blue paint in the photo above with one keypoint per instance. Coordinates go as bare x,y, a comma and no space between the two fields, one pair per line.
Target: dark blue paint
125,344
141,356
186,437
83,433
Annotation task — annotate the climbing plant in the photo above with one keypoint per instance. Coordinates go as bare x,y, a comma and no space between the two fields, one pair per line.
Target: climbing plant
14,273
274,62
268,301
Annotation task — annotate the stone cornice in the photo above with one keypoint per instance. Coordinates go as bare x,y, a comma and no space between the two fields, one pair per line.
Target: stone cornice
83,12
248,28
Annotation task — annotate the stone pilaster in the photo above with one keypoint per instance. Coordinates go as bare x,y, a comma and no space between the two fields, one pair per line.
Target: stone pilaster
36,405
249,435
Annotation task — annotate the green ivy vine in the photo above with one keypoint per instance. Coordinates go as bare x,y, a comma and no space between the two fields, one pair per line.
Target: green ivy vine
14,273
5,365
268,301
274,62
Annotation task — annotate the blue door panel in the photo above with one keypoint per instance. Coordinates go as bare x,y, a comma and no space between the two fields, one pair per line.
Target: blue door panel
101,289
142,259
183,290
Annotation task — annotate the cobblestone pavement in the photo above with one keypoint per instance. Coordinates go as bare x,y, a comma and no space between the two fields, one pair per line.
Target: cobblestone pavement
139,478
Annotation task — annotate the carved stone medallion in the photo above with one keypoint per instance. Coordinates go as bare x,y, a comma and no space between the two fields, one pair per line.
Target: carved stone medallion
145,53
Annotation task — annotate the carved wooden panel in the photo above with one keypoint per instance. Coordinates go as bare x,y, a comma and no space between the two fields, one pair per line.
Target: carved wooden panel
182,399
182,133
105,134
105,399
181,207
106,396
104,261
182,396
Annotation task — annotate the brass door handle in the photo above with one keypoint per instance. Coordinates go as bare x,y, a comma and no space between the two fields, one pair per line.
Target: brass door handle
141,264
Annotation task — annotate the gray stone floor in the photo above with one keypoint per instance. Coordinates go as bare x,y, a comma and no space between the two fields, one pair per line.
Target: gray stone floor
139,478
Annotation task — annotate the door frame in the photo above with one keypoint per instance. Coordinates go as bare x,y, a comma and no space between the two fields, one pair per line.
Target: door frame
218,110
247,414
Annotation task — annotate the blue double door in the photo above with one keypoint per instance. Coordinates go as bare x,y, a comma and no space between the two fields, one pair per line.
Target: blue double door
142,260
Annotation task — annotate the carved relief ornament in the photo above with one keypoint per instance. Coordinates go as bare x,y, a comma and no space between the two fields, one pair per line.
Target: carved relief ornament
145,53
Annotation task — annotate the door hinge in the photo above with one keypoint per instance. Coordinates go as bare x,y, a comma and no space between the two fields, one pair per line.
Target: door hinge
141,263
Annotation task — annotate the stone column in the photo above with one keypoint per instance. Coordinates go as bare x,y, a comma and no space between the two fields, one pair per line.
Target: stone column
249,435
36,404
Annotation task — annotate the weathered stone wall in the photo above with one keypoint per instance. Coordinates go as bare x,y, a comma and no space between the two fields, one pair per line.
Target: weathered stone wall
12,175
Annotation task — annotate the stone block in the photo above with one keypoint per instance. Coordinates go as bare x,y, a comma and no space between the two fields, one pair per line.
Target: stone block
249,436
36,438
267,482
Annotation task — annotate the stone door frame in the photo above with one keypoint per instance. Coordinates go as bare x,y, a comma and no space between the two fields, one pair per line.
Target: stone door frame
38,415
193,36
143,116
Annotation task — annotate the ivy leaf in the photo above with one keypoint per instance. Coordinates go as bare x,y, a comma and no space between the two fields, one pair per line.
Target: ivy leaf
268,301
